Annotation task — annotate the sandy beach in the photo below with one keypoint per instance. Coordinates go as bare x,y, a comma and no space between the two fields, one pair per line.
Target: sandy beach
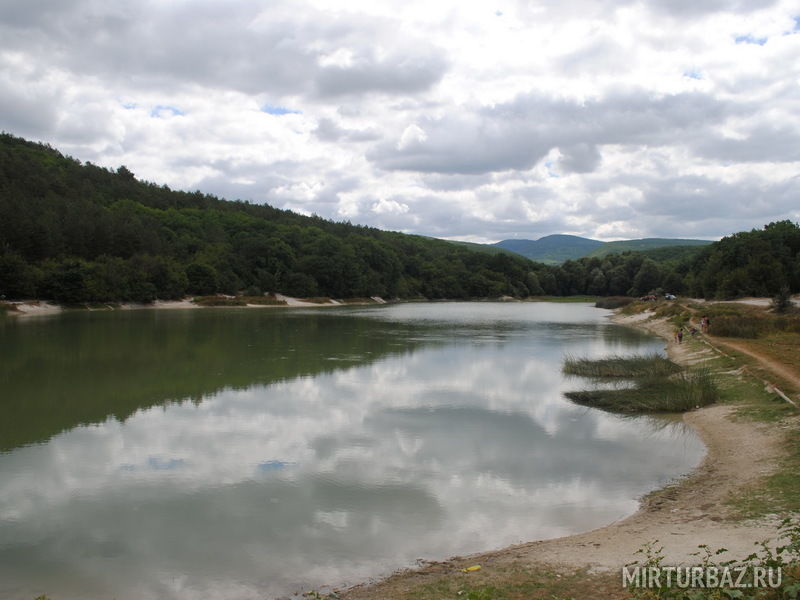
35,308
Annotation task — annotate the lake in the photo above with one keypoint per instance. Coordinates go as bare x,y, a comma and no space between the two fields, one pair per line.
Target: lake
237,453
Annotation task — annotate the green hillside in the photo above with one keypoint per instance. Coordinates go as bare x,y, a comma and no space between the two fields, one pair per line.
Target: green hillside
672,254
642,245
555,249
75,233
485,248
551,249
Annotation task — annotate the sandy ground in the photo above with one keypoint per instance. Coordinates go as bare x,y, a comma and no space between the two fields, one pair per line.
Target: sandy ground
689,512
752,301
35,308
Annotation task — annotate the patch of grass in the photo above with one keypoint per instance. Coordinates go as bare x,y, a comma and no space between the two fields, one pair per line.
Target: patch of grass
749,322
509,582
620,366
636,307
317,300
753,401
675,313
614,302
685,391
739,326
778,493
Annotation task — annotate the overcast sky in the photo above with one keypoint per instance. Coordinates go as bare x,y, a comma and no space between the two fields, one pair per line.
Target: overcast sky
480,121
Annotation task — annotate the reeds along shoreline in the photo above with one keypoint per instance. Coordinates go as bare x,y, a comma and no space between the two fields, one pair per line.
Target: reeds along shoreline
620,366
659,385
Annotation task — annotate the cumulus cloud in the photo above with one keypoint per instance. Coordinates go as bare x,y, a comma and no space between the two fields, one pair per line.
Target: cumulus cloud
600,118
517,134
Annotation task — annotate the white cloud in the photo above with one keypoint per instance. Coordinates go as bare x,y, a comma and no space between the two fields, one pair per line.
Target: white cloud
483,122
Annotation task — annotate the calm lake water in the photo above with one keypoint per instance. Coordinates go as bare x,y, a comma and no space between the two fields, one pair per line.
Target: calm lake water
234,454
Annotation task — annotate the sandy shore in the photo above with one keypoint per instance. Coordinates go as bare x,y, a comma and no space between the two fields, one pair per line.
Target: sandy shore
42,308
689,512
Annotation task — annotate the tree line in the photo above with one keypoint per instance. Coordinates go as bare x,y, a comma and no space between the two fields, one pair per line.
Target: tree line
75,232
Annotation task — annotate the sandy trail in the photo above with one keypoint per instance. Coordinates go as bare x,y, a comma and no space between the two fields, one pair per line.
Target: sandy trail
786,373
690,512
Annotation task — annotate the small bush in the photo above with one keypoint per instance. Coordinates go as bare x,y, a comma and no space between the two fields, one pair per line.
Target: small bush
782,301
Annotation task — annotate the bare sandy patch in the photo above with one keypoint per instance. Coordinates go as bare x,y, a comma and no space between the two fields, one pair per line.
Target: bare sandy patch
35,309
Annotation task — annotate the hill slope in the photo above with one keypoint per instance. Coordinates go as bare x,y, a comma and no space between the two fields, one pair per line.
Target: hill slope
642,245
76,233
555,249
551,249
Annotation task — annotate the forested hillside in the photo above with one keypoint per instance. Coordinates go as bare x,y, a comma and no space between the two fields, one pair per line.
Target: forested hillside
557,248
644,245
76,233
752,263
551,249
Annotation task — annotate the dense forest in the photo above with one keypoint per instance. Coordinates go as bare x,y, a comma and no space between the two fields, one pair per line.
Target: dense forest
74,232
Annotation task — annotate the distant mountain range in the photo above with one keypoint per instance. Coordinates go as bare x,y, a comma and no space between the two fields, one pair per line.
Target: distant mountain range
555,249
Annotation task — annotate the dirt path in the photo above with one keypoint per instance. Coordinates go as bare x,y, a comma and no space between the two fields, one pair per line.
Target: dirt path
789,375
690,512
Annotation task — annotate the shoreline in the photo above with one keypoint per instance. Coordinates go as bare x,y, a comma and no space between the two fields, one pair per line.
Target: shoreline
683,514
33,308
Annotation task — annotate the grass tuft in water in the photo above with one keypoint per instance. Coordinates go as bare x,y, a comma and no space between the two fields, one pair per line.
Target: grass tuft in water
658,385
621,366
680,393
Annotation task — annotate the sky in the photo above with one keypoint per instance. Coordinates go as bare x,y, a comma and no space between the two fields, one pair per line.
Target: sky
477,121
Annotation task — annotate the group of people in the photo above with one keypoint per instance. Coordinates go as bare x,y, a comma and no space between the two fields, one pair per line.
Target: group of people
704,324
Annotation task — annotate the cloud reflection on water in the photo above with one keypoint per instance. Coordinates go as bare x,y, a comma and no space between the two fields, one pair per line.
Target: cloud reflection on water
334,477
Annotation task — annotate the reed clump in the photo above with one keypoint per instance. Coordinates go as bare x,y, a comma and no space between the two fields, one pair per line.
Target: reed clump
620,366
647,384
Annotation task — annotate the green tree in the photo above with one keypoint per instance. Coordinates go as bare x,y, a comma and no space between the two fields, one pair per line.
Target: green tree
201,279
647,278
